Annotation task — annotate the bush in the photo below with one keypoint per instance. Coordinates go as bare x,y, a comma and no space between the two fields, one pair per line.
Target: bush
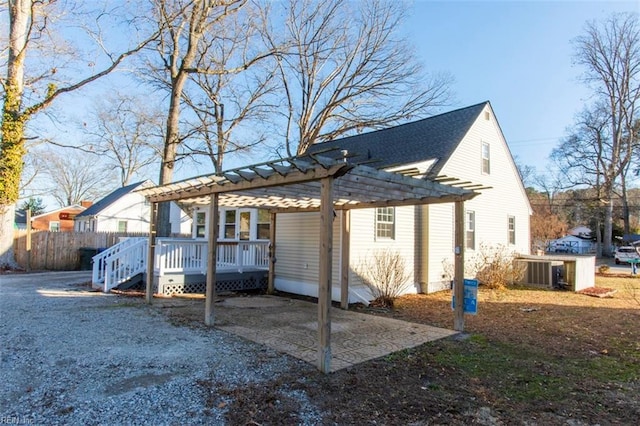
386,276
603,269
494,267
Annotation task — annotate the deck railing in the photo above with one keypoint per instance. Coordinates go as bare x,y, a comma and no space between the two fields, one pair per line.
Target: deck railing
121,262
190,256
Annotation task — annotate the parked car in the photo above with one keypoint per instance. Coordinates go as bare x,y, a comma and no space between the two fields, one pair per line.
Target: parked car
626,254
565,248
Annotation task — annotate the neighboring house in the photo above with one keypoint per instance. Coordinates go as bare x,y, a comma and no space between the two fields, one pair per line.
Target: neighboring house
572,244
125,210
59,220
464,147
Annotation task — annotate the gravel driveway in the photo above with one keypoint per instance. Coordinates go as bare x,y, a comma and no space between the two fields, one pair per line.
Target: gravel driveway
71,356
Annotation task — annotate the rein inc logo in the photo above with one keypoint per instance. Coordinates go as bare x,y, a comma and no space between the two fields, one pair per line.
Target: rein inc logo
16,420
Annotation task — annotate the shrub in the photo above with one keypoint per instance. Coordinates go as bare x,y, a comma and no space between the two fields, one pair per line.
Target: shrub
603,269
494,267
386,276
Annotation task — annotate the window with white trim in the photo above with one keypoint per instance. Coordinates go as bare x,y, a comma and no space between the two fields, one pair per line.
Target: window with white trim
470,230
486,158
54,226
122,226
230,224
201,224
264,224
385,223
511,229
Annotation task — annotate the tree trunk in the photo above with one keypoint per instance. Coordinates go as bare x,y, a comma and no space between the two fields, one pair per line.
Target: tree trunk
170,151
608,230
12,148
7,257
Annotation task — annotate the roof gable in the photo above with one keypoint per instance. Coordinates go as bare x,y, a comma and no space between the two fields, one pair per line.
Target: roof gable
74,208
111,198
433,138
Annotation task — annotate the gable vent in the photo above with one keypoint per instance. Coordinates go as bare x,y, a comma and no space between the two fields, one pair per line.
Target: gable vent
487,115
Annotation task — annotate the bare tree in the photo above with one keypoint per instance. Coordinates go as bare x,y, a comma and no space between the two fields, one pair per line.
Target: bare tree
191,26
72,176
610,53
348,69
41,65
127,132
230,109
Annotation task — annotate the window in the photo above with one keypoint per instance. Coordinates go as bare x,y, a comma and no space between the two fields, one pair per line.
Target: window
54,226
385,222
201,224
486,158
471,230
230,224
512,229
264,224
122,226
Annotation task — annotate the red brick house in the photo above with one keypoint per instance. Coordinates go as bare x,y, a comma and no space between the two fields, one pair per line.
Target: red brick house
60,220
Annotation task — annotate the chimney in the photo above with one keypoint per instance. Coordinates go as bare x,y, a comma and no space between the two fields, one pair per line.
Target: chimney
86,204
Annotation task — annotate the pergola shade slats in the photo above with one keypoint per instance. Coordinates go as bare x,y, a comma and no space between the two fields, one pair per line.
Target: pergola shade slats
294,183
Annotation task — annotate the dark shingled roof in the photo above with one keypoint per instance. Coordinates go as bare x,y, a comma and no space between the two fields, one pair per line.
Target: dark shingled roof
97,207
430,138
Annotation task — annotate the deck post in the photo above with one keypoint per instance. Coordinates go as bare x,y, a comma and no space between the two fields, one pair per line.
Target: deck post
151,251
458,280
324,275
345,241
272,254
209,317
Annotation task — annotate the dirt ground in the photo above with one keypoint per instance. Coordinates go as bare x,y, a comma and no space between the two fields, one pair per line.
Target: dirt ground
537,357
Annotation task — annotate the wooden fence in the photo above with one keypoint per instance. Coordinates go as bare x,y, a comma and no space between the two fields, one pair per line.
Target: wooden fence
60,251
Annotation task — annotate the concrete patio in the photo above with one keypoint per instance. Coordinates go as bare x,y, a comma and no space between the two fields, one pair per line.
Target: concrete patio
290,326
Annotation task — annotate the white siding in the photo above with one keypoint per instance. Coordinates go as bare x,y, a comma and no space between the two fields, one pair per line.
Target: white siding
364,244
298,254
297,250
180,221
131,208
441,245
492,207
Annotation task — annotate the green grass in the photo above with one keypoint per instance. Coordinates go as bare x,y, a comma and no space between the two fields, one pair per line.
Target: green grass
524,373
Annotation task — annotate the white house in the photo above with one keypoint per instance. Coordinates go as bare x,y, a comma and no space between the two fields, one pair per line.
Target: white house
463,148
125,210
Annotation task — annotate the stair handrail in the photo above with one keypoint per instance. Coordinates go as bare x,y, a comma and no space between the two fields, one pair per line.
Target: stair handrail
99,260
125,264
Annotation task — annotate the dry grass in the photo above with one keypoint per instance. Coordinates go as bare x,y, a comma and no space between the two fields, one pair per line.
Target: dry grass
537,357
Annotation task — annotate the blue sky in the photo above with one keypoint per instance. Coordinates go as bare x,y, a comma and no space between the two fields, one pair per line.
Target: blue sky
516,54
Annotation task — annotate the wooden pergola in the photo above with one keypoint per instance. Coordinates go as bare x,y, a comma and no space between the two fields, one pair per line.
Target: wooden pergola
310,183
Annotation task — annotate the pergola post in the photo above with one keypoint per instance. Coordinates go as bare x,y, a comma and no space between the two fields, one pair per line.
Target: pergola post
458,281
345,259
324,274
272,254
151,251
209,314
